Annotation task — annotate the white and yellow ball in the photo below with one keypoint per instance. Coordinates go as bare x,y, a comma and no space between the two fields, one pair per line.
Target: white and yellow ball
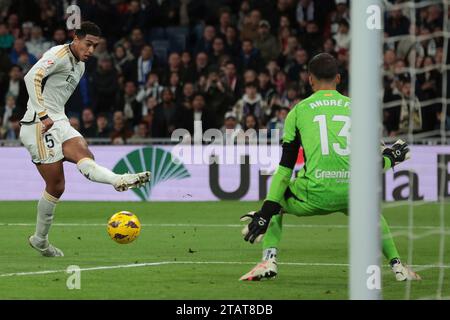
124,227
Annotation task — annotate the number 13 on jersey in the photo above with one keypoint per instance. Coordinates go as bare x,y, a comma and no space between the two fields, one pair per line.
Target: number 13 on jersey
328,127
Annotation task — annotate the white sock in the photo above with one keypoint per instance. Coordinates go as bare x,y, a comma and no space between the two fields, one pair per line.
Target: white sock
46,210
269,253
96,173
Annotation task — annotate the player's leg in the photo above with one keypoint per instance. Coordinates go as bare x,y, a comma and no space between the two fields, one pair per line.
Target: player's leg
53,175
268,268
76,150
390,251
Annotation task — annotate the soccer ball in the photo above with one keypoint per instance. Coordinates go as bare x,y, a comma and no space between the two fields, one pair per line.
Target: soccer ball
124,227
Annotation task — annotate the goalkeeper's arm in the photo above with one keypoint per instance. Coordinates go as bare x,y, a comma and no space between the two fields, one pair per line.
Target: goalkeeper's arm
280,181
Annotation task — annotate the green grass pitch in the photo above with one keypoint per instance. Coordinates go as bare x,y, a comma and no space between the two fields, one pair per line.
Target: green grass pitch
195,251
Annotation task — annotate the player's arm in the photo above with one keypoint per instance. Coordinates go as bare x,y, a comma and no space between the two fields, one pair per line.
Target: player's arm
33,81
260,220
395,155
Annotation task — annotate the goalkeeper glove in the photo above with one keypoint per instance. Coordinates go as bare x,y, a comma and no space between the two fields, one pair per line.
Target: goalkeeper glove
398,153
260,220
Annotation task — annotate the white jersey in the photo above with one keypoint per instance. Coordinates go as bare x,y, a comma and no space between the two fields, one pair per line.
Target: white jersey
51,82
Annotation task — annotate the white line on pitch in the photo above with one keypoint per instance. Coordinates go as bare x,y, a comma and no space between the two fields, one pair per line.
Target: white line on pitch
150,264
199,225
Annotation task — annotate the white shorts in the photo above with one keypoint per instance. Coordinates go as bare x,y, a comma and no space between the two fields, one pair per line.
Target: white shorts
47,147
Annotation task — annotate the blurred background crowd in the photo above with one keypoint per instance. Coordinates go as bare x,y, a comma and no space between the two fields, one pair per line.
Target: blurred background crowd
162,64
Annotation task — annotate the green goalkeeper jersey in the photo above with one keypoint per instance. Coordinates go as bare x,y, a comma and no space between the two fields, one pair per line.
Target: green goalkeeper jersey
321,125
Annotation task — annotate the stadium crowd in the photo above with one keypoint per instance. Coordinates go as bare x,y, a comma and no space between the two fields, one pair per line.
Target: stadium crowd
162,64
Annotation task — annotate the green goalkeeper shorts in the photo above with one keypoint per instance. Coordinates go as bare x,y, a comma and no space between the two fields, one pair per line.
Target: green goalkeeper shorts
291,204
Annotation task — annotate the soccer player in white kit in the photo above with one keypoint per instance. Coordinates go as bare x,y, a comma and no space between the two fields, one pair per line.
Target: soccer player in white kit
50,139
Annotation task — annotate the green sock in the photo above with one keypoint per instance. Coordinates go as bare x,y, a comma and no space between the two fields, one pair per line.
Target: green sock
389,248
273,234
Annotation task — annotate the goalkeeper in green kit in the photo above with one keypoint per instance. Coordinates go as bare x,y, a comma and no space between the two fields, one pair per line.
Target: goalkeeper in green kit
321,125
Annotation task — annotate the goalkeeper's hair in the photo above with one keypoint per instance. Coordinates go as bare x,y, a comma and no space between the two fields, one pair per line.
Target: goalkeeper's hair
324,67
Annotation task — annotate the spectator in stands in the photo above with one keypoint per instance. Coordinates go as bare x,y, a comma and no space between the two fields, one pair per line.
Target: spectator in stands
266,43
230,123
88,125
290,98
342,12
204,44
186,67
342,37
6,38
250,103
265,86
305,12
250,27
277,123
152,89
396,24
13,128
142,66
251,123
122,59
18,50
37,44
329,46
198,112
217,52
218,97
102,49
120,129
232,41
16,88
9,109
59,37
304,87
103,130
133,18
105,87
137,41
287,54
224,22
132,109
173,66
75,123
164,116
142,131
231,79
250,57
201,65
185,99
300,63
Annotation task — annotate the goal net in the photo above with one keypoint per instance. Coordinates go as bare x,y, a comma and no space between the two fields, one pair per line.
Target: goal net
415,109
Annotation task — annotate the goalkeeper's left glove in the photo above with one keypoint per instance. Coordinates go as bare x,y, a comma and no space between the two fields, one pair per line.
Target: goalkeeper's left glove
260,221
398,153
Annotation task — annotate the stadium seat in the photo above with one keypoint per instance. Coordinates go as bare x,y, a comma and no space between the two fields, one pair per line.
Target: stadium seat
161,49
177,43
157,34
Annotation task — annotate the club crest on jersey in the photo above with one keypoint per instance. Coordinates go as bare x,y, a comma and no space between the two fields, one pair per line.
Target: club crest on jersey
49,63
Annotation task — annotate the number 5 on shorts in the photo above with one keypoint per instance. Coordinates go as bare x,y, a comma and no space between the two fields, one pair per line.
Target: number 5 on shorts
49,141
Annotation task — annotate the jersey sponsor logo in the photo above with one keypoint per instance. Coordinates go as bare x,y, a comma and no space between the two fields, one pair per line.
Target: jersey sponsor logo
332,174
71,83
329,103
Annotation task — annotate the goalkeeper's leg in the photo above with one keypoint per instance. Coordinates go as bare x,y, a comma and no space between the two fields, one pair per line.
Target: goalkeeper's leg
390,251
267,268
